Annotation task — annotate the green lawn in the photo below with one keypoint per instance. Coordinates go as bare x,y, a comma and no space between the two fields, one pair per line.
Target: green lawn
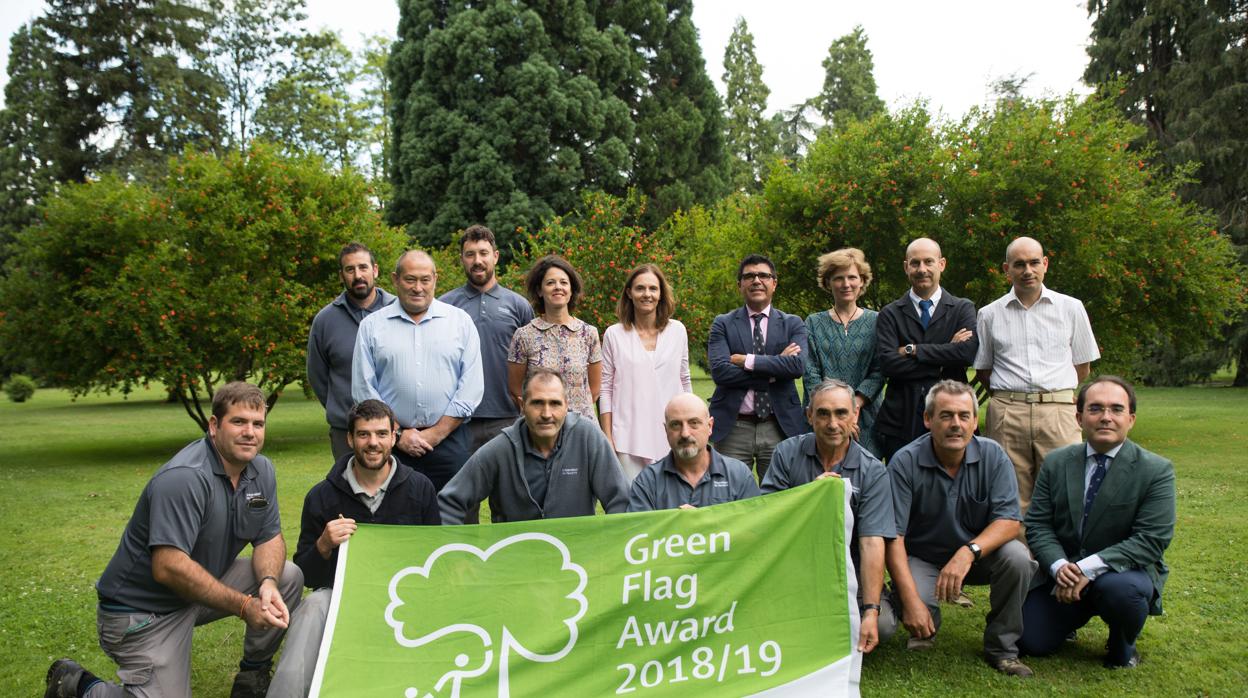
71,472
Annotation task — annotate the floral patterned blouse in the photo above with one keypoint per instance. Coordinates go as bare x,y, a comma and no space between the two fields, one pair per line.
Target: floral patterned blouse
568,349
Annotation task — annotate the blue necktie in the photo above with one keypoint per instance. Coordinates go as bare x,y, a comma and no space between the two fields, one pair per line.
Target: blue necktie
1098,476
925,313
762,404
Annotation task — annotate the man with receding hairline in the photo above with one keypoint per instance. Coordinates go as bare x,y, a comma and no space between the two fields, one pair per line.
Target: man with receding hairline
925,336
421,357
693,474
1035,346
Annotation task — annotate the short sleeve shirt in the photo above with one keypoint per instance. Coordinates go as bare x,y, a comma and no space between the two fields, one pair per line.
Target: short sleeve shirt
568,349
796,462
661,486
497,313
938,514
190,504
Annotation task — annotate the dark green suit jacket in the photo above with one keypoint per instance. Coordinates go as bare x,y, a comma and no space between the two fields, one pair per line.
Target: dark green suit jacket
1131,522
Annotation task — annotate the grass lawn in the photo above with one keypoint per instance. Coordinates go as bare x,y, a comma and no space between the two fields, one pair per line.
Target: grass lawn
72,470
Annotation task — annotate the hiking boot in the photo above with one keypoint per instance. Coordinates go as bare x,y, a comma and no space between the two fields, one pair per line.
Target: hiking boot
63,678
964,601
251,683
1010,666
918,644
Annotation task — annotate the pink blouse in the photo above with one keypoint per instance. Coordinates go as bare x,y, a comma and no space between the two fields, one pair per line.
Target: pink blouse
637,385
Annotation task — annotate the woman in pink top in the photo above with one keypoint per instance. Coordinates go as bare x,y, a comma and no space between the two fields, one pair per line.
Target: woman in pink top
645,362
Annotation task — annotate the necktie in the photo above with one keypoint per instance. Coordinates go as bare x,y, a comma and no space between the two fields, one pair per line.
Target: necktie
925,313
762,406
1098,476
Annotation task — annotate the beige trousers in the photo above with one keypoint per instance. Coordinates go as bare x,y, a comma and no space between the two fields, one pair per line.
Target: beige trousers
1028,431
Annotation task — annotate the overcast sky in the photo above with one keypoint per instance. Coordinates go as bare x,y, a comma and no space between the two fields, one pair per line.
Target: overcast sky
946,52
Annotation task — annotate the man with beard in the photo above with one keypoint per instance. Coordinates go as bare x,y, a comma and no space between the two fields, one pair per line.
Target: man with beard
550,464
332,339
956,503
421,357
693,474
926,335
829,451
365,487
177,565
497,312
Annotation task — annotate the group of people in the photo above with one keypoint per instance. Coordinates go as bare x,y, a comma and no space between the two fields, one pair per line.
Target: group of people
436,405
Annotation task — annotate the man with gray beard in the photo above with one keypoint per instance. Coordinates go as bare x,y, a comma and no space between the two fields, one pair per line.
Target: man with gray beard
693,474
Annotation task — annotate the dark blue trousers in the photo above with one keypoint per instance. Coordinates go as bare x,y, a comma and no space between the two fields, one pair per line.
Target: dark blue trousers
1121,599
440,464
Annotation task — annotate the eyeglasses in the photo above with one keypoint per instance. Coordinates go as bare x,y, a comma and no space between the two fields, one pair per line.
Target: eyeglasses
759,275
1116,410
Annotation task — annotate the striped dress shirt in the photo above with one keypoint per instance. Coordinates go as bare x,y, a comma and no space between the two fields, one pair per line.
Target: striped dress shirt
1035,349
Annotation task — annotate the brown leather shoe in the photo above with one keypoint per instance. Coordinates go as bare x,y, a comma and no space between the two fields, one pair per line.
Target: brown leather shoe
1010,666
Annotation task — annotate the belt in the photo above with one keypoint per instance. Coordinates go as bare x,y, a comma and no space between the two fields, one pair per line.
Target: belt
754,418
1065,397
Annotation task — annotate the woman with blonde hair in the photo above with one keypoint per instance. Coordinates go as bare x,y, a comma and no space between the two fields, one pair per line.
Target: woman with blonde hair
842,338
645,362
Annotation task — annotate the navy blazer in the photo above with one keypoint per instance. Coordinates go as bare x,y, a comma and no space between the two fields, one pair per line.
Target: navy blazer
935,359
733,333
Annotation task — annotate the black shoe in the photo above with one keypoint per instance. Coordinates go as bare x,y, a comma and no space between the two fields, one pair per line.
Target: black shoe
63,678
252,683
1132,663
1072,636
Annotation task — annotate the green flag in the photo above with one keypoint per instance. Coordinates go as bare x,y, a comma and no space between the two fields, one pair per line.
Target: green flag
746,598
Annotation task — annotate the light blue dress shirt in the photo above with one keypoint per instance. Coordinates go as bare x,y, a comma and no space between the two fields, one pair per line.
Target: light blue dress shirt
422,370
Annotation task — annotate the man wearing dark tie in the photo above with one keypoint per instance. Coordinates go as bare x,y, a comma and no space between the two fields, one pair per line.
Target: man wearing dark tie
923,337
1101,516
756,353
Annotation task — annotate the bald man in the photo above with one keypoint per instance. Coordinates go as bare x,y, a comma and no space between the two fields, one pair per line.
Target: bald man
925,336
1035,347
421,357
692,474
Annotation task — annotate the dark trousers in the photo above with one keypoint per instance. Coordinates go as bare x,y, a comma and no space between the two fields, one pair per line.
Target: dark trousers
1121,599
889,445
440,464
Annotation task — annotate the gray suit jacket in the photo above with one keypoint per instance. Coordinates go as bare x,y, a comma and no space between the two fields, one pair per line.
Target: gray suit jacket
1131,522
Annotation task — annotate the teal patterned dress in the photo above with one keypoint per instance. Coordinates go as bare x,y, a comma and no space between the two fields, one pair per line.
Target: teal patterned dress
849,357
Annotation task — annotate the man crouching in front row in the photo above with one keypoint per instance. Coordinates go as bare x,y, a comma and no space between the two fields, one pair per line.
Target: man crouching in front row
178,567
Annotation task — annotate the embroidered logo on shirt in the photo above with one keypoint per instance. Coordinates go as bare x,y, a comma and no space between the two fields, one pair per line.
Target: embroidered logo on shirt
569,471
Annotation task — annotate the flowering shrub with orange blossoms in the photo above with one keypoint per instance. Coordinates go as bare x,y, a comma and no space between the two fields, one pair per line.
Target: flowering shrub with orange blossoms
210,274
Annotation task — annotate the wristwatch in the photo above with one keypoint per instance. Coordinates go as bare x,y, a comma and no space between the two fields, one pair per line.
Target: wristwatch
975,550
909,349
869,606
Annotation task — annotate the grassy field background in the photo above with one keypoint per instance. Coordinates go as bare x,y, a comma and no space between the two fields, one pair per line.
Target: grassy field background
72,470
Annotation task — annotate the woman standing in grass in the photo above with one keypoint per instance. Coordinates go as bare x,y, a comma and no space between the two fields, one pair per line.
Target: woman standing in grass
555,339
645,362
842,338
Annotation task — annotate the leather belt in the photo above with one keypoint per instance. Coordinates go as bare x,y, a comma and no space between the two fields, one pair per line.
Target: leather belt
754,418
1065,397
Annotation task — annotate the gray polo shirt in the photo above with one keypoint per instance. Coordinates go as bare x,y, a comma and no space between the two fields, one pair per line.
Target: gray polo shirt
331,345
189,504
661,486
938,514
372,501
796,462
496,313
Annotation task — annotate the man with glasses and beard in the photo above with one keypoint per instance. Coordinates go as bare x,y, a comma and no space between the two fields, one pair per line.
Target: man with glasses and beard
331,340
693,474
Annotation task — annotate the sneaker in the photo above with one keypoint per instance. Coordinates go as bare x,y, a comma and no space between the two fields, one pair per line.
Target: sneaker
63,678
918,644
1010,666
252,683
964,601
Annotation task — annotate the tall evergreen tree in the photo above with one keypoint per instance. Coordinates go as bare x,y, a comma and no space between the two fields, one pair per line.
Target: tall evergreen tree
751,140
503,111
849,84
795,130
1181,69
679,155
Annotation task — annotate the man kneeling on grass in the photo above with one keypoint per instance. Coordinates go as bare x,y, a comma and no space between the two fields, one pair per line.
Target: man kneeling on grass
178,567
367,486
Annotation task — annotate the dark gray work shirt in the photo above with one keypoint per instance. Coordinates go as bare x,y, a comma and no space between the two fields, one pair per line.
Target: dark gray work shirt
796,462
537,466
331,345
496,313
190,504
661,486
938,514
